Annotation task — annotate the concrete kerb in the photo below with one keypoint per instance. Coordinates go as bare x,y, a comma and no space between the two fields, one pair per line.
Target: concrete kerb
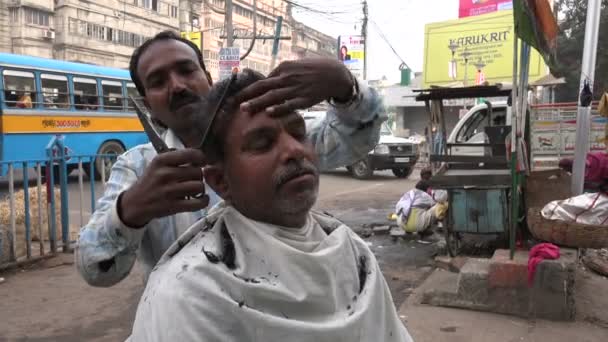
473,281
551,296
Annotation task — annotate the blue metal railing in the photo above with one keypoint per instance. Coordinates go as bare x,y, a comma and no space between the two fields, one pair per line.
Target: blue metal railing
45,181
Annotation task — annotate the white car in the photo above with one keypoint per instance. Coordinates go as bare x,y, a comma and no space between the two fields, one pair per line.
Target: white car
392,153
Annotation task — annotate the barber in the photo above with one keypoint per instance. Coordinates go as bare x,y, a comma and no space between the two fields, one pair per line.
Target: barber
149,199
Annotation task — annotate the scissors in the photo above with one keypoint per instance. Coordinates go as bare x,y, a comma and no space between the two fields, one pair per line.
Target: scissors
144,117
157,142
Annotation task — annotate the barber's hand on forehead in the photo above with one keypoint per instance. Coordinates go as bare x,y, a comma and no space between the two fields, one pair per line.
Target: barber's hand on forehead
167,187
298,85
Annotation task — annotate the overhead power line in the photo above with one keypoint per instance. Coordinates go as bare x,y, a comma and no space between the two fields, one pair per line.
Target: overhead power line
389,43
310,9
214,8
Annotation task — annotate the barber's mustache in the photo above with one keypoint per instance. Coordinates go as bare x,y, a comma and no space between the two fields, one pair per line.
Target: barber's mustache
295,168
182,98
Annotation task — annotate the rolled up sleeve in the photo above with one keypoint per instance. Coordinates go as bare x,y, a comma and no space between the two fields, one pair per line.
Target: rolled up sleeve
107,248
348,133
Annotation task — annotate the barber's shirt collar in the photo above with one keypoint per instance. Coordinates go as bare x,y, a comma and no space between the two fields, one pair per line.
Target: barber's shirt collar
172,140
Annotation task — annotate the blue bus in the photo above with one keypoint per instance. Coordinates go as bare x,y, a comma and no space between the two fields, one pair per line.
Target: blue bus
87,105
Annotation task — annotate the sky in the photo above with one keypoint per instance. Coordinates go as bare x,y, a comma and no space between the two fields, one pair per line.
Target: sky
401,21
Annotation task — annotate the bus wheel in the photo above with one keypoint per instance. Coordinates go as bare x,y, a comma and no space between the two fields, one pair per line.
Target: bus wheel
113,148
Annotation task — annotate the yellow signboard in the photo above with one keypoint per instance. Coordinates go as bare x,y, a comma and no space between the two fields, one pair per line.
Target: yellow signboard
194,37
489,41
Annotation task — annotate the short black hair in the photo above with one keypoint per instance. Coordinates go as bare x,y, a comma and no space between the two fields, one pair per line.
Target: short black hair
423,185
426,172
214,143
161,36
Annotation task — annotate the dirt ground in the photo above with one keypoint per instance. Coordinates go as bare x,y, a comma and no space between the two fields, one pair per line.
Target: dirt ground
50,302
434,324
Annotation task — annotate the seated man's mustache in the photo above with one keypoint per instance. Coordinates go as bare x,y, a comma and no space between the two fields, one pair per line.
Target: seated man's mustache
295,169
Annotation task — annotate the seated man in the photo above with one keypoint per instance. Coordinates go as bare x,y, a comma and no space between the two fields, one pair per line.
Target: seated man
596,170
417,210
426,174
261,266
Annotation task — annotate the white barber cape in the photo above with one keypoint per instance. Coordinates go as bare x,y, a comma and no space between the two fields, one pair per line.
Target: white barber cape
229,278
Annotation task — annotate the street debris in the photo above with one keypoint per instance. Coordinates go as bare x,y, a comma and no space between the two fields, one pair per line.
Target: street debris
597,261
381,229
450,264
366,232
397,232
448,329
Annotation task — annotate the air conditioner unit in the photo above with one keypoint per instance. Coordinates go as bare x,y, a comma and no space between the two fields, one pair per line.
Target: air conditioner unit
48,34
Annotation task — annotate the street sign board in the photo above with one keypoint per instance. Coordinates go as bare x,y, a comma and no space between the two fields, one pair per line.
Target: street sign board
470,8
230,58
351,53
488,39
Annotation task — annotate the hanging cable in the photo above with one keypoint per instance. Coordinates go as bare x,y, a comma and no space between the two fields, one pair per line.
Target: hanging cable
310,9
213,8
390,45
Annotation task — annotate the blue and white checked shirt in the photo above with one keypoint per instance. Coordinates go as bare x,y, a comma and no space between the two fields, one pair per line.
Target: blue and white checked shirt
345,135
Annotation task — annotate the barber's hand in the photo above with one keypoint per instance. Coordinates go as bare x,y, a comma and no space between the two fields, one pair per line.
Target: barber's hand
166,188
298,85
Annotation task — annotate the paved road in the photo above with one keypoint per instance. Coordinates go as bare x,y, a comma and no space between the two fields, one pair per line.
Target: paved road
50,302
337,187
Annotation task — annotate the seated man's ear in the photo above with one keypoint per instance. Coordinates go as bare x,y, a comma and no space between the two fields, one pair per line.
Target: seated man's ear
215,178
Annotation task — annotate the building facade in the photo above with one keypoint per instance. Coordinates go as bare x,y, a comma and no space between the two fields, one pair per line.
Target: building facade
105,32
308,42
266,14
97,32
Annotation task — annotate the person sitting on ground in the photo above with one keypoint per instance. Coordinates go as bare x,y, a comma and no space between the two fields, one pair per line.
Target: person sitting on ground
438,195
596,170
426,174
417,211
262,266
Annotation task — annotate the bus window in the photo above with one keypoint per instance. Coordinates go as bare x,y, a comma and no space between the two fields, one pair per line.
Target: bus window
54,91
131,91
19,89
112,95
85,94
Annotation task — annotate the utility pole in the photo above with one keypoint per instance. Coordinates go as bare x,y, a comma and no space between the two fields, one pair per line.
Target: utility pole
364,34
583,121
277,41
228,24
230,36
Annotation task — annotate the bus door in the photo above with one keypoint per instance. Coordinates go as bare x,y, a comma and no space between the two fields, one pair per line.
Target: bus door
2,105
